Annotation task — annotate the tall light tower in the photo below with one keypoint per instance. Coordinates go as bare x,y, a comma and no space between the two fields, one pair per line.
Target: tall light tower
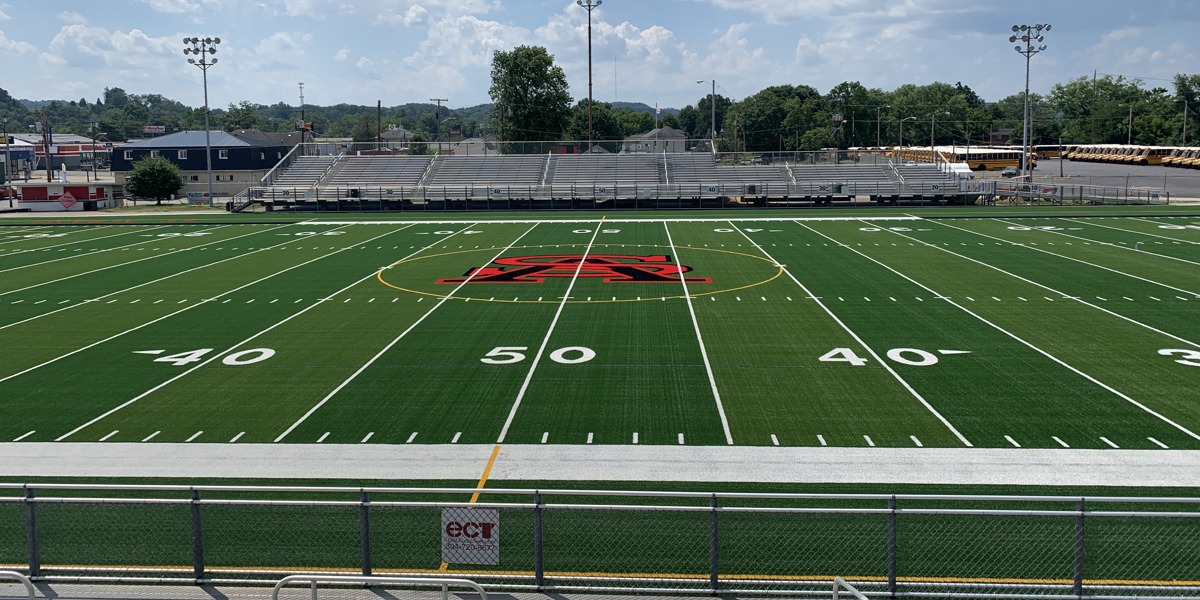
1027,35
202,48
712,121
588,5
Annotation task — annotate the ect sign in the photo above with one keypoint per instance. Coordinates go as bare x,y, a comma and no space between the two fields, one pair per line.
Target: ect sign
471,536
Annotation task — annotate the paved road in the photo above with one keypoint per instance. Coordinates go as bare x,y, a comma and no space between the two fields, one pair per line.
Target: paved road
705,464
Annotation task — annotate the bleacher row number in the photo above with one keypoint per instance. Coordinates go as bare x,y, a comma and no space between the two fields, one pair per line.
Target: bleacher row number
822,188
601,190
935,187
712,189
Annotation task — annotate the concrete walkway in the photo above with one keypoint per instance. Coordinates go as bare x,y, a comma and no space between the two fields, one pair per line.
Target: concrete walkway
560,463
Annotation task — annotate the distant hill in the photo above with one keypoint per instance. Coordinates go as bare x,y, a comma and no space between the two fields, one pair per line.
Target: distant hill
644,108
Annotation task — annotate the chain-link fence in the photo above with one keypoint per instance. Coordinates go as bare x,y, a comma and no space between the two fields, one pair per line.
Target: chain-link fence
593,541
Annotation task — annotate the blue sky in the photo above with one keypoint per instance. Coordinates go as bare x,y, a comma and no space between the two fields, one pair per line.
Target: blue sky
651,51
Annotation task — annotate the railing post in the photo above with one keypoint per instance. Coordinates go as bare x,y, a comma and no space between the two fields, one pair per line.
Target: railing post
1078,587
891,547
364,520
31,534
713,546
539,559
197,538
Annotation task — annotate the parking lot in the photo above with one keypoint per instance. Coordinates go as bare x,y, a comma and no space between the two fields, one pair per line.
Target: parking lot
1179,183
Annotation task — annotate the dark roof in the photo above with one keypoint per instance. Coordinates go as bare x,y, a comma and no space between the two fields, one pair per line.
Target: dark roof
193,139
258,137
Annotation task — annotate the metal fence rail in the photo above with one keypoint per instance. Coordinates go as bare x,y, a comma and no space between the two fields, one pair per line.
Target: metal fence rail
612,541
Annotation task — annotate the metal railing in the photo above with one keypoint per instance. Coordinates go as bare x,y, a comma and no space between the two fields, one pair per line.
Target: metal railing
840,584
611,541
444,583
1067,193
23,580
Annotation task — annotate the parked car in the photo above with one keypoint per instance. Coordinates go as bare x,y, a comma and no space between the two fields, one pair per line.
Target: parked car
1009,172
7,192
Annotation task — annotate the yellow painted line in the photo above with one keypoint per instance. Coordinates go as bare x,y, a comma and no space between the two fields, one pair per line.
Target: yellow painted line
379,275
487,471
697,576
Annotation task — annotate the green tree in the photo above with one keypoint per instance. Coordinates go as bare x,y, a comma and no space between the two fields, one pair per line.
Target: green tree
154,177
606,128
531,95
243,115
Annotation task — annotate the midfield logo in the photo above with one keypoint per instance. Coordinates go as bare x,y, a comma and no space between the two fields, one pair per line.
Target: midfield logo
612,268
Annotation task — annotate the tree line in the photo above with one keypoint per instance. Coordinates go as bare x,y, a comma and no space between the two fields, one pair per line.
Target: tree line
532,103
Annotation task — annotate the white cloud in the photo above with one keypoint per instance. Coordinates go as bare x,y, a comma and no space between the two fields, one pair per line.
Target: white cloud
11,46
342,54
71,17
4,8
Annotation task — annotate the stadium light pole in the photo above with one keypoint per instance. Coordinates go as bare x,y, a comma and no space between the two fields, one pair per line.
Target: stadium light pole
589,5
1027,35
712,121
202,48
932,127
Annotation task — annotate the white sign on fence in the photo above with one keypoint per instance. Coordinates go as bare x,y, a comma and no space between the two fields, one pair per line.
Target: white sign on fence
471,536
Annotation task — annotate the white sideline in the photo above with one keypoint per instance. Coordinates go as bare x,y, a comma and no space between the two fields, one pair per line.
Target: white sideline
712,380
666,463
617,220
223,352
512,414
879,360
395,341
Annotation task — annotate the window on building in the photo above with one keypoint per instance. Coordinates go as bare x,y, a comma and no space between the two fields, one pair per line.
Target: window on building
182,155
222,154
195,178
278,155
154,154
129,155
262,156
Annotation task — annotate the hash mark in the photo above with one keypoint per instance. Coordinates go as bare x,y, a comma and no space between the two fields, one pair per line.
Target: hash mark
545,436
1012,441
1156,442
1060,442
681,439
27,434
364,440
194,436
774,440
151,436
590,434
1108,441
322,438
456,436
870,442
237,437
112,433
410,438
821,438
916,441
635,437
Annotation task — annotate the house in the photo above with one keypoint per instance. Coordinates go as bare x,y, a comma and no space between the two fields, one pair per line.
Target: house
239,159
663,139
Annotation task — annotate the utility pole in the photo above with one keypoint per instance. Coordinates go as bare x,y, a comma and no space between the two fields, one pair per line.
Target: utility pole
589,5
437,121
877,129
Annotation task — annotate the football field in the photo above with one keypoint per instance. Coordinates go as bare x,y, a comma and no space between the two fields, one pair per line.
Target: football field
844,332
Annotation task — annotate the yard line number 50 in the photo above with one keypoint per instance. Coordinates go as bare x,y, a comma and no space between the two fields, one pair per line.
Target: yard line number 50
508,355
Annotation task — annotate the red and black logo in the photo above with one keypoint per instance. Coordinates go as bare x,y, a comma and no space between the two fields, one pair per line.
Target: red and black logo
612,268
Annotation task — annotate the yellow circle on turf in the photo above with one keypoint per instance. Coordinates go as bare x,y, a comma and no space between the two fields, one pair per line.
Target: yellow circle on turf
380,273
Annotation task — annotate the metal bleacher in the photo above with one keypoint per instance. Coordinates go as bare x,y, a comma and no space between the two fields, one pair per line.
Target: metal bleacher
521,170
305,171
377,171
607,169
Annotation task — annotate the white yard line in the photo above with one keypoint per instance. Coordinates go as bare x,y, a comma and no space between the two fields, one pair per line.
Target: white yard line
1004,331
151,257
862,343
1098,242
1134,231
75,242
221,354
512,413
182,310
402,335
712,380
103,250
1072,259
1048,288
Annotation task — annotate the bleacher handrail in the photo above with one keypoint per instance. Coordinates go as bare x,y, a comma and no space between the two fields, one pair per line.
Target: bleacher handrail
373,580
19,578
